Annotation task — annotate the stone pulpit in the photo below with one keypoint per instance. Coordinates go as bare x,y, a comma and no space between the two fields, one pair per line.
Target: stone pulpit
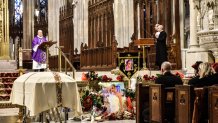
207,25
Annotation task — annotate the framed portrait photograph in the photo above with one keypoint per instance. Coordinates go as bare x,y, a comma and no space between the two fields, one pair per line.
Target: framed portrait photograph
128,64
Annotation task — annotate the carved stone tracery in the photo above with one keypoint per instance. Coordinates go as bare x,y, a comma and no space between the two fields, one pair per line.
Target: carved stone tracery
208,33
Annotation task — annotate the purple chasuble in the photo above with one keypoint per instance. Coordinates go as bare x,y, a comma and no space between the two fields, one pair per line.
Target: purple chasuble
38,55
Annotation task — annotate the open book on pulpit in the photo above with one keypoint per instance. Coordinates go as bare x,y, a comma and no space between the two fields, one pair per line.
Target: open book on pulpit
46,44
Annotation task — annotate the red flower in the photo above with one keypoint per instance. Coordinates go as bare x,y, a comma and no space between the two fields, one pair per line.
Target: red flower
120,78
87,104
146,77
181,75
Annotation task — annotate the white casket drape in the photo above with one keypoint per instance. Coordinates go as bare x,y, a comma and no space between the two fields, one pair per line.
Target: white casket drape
37,91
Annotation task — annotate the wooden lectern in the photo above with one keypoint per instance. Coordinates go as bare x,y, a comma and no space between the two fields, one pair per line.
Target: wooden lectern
45,47
144,42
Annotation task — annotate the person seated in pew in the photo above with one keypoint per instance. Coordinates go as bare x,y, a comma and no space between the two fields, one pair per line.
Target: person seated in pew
214,77
206,76
167,78
196,71
215,68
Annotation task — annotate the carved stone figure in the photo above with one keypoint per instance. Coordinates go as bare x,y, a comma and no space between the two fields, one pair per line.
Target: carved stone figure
198,19
210,16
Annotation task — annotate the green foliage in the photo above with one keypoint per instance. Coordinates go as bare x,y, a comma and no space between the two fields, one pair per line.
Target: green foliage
129,93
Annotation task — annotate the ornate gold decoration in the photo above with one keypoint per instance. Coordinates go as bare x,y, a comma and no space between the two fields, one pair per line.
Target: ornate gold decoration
4,30
57,78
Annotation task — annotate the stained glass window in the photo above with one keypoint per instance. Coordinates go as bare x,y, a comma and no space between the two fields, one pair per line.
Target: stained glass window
43,9
18,10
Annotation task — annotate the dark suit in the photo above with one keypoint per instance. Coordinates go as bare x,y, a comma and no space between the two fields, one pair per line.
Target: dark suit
193,80
161,49
169,80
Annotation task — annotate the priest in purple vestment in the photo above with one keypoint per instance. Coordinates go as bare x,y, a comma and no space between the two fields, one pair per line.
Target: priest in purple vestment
38,55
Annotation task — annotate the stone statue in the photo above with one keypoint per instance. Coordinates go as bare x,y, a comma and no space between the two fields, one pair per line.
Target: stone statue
210,15
198,18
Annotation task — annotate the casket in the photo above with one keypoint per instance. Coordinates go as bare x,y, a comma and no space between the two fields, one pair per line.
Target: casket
38,92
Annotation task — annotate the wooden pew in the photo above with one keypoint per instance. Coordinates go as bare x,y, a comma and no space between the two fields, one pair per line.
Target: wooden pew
162,104
200,111
142,105
213,104
184,103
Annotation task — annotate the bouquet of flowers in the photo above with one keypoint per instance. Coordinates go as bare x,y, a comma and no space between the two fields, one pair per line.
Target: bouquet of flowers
90,99
104,78
120,78
92,75
149,78
129,93
179,74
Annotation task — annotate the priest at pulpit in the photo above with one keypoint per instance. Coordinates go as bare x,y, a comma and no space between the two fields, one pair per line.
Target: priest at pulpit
38,55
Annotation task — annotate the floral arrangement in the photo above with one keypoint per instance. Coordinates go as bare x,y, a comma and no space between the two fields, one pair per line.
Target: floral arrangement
90,99
92,75
129,93
130,98
93,79
149,78
179,74
120,78
104,78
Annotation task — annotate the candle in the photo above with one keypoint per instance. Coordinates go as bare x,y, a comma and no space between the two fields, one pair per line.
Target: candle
133,83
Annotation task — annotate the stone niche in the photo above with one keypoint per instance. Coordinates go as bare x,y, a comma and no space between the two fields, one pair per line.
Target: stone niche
207,23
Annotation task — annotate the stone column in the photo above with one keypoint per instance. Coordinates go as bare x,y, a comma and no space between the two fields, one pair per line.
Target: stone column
193,25
182,25
182,40
53,24
28,23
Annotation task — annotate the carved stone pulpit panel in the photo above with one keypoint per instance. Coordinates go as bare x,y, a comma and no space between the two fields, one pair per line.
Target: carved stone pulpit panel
207,22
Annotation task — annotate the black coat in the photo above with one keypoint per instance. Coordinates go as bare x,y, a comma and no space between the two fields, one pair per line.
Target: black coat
193,80
206,81
169,80
161,48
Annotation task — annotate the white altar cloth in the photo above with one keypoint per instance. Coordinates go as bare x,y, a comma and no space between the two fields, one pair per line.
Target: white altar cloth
38,89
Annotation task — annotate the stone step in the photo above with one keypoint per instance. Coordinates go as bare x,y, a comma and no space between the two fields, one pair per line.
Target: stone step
8,65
